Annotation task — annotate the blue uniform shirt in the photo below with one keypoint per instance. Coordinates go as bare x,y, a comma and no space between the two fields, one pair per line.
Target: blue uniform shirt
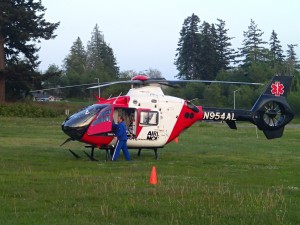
121,131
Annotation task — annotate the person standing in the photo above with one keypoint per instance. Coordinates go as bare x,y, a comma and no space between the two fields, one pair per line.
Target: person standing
120,129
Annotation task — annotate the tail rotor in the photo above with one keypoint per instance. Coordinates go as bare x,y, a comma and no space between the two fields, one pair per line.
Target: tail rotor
272,112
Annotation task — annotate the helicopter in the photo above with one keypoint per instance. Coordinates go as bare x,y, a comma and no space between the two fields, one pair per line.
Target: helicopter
154,119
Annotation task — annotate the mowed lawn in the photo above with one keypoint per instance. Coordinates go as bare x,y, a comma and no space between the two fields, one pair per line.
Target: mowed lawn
213,175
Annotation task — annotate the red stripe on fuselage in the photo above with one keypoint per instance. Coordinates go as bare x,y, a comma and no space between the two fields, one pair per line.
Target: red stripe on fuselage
97,140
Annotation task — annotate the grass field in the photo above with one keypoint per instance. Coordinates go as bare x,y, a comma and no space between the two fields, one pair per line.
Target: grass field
213,175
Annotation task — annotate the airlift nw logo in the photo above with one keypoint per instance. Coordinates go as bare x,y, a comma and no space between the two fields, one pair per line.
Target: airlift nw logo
152,135
277,89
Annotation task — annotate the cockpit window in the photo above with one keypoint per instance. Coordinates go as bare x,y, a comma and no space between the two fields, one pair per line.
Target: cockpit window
84,116
103,116
90,110
149,118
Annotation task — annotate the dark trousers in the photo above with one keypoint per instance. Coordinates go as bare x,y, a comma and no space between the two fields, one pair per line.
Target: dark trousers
121,145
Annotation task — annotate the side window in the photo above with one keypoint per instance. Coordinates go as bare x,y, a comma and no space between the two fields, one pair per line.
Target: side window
103,116
149,118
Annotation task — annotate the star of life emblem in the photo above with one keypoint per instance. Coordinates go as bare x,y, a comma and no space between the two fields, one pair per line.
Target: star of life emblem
277,89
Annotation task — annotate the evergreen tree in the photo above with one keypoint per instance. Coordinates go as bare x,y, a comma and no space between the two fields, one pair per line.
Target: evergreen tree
94,50
291,59
225,54
276,53
208,53
203,50
76,60
22,24
84,66
75,65
276,49
101,61
188,50
110,62
253,50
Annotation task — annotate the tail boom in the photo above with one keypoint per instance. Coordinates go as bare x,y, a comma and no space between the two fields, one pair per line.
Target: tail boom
270,113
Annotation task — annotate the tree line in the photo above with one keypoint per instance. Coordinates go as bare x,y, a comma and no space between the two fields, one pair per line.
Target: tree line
95,63
204,51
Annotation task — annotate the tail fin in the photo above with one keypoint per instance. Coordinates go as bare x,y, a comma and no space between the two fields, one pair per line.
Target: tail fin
279,86
271,112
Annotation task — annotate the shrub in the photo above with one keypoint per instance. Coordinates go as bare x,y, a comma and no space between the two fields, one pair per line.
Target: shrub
29,110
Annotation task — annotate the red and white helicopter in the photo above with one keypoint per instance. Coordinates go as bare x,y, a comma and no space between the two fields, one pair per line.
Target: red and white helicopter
154,119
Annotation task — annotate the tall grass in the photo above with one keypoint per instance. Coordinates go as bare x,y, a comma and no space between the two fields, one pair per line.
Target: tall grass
212,176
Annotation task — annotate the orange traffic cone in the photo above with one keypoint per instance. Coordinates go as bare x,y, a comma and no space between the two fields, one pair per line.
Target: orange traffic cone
153,177
176,140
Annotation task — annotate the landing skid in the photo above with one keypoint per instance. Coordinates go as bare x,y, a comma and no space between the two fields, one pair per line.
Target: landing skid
155,153
108,153
90,156
74,154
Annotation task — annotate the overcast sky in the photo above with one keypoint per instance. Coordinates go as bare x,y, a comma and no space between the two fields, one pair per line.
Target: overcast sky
144,34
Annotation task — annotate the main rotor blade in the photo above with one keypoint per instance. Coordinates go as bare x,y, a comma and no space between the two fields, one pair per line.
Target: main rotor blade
69,86
117,82
162,81
210,81
172,83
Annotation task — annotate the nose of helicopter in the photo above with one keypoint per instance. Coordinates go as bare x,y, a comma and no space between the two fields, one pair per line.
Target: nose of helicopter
72,131
76,125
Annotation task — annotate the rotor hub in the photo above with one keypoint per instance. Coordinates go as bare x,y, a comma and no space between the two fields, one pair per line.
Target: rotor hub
140,77
272,113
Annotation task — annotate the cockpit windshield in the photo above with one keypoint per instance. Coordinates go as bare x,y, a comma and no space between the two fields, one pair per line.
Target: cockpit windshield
84,116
